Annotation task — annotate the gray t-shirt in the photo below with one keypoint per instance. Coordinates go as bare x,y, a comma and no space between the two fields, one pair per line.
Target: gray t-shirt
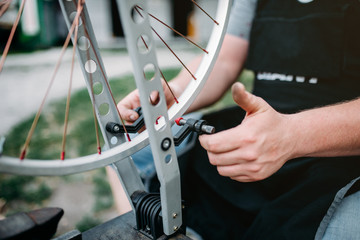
242,15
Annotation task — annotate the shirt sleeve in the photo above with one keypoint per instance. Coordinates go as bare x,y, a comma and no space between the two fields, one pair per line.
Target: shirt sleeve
242,15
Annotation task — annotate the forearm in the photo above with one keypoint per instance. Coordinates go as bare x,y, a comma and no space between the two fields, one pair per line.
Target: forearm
328,131
225,72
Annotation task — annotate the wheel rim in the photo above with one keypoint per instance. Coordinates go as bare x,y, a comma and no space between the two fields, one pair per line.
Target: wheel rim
58,167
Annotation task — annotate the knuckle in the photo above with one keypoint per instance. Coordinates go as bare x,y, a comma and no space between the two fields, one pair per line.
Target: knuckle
255,168
258,176
243,179
120,105
251,138
221,171
212,145
236,179
251,156
212,160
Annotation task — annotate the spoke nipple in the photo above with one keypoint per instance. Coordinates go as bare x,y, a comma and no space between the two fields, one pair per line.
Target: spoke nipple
99,150
62,157
22,155
128,137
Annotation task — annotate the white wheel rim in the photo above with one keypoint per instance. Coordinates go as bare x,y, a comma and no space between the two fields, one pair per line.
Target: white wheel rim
35,167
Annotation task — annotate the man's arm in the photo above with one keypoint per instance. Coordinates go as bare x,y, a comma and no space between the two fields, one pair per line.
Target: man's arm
266,139
226,70
328,131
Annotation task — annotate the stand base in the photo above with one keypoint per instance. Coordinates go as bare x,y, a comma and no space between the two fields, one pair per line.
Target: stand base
120,228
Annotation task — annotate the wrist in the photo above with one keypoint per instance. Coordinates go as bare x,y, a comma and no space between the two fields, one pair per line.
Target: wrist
295,136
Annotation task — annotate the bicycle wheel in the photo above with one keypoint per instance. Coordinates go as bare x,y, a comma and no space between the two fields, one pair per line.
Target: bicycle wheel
120,150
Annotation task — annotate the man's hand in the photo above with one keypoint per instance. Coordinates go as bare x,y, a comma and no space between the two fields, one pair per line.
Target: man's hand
256,148
127,105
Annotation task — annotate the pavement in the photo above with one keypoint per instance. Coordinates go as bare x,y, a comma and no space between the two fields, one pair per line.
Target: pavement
26,76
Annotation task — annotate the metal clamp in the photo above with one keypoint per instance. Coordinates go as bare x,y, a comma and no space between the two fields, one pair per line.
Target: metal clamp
116,128
191,125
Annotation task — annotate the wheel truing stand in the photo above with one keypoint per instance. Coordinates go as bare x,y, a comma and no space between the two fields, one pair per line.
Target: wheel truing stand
155,214
165,159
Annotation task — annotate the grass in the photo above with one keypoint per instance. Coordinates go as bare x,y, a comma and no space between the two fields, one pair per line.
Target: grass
102,191
86,223
22,188
22,193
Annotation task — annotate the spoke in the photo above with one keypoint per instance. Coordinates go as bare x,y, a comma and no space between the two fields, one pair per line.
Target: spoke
174,30
205,12
66,121
192,75
166,46
36,119
95,121
143,40
93,104
12,33
167,84
4,5
107,83
162,74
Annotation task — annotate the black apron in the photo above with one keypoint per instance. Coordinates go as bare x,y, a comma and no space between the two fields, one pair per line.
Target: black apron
290,204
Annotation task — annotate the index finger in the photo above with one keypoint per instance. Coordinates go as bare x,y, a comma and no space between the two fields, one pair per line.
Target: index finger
220,142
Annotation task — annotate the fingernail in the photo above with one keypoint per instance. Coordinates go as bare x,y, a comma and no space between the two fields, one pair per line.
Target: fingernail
132,117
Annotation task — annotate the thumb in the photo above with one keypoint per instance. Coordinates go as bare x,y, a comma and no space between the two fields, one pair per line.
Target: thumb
247,101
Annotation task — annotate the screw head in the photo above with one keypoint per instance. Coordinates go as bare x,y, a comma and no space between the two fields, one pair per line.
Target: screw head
166,144
116,128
